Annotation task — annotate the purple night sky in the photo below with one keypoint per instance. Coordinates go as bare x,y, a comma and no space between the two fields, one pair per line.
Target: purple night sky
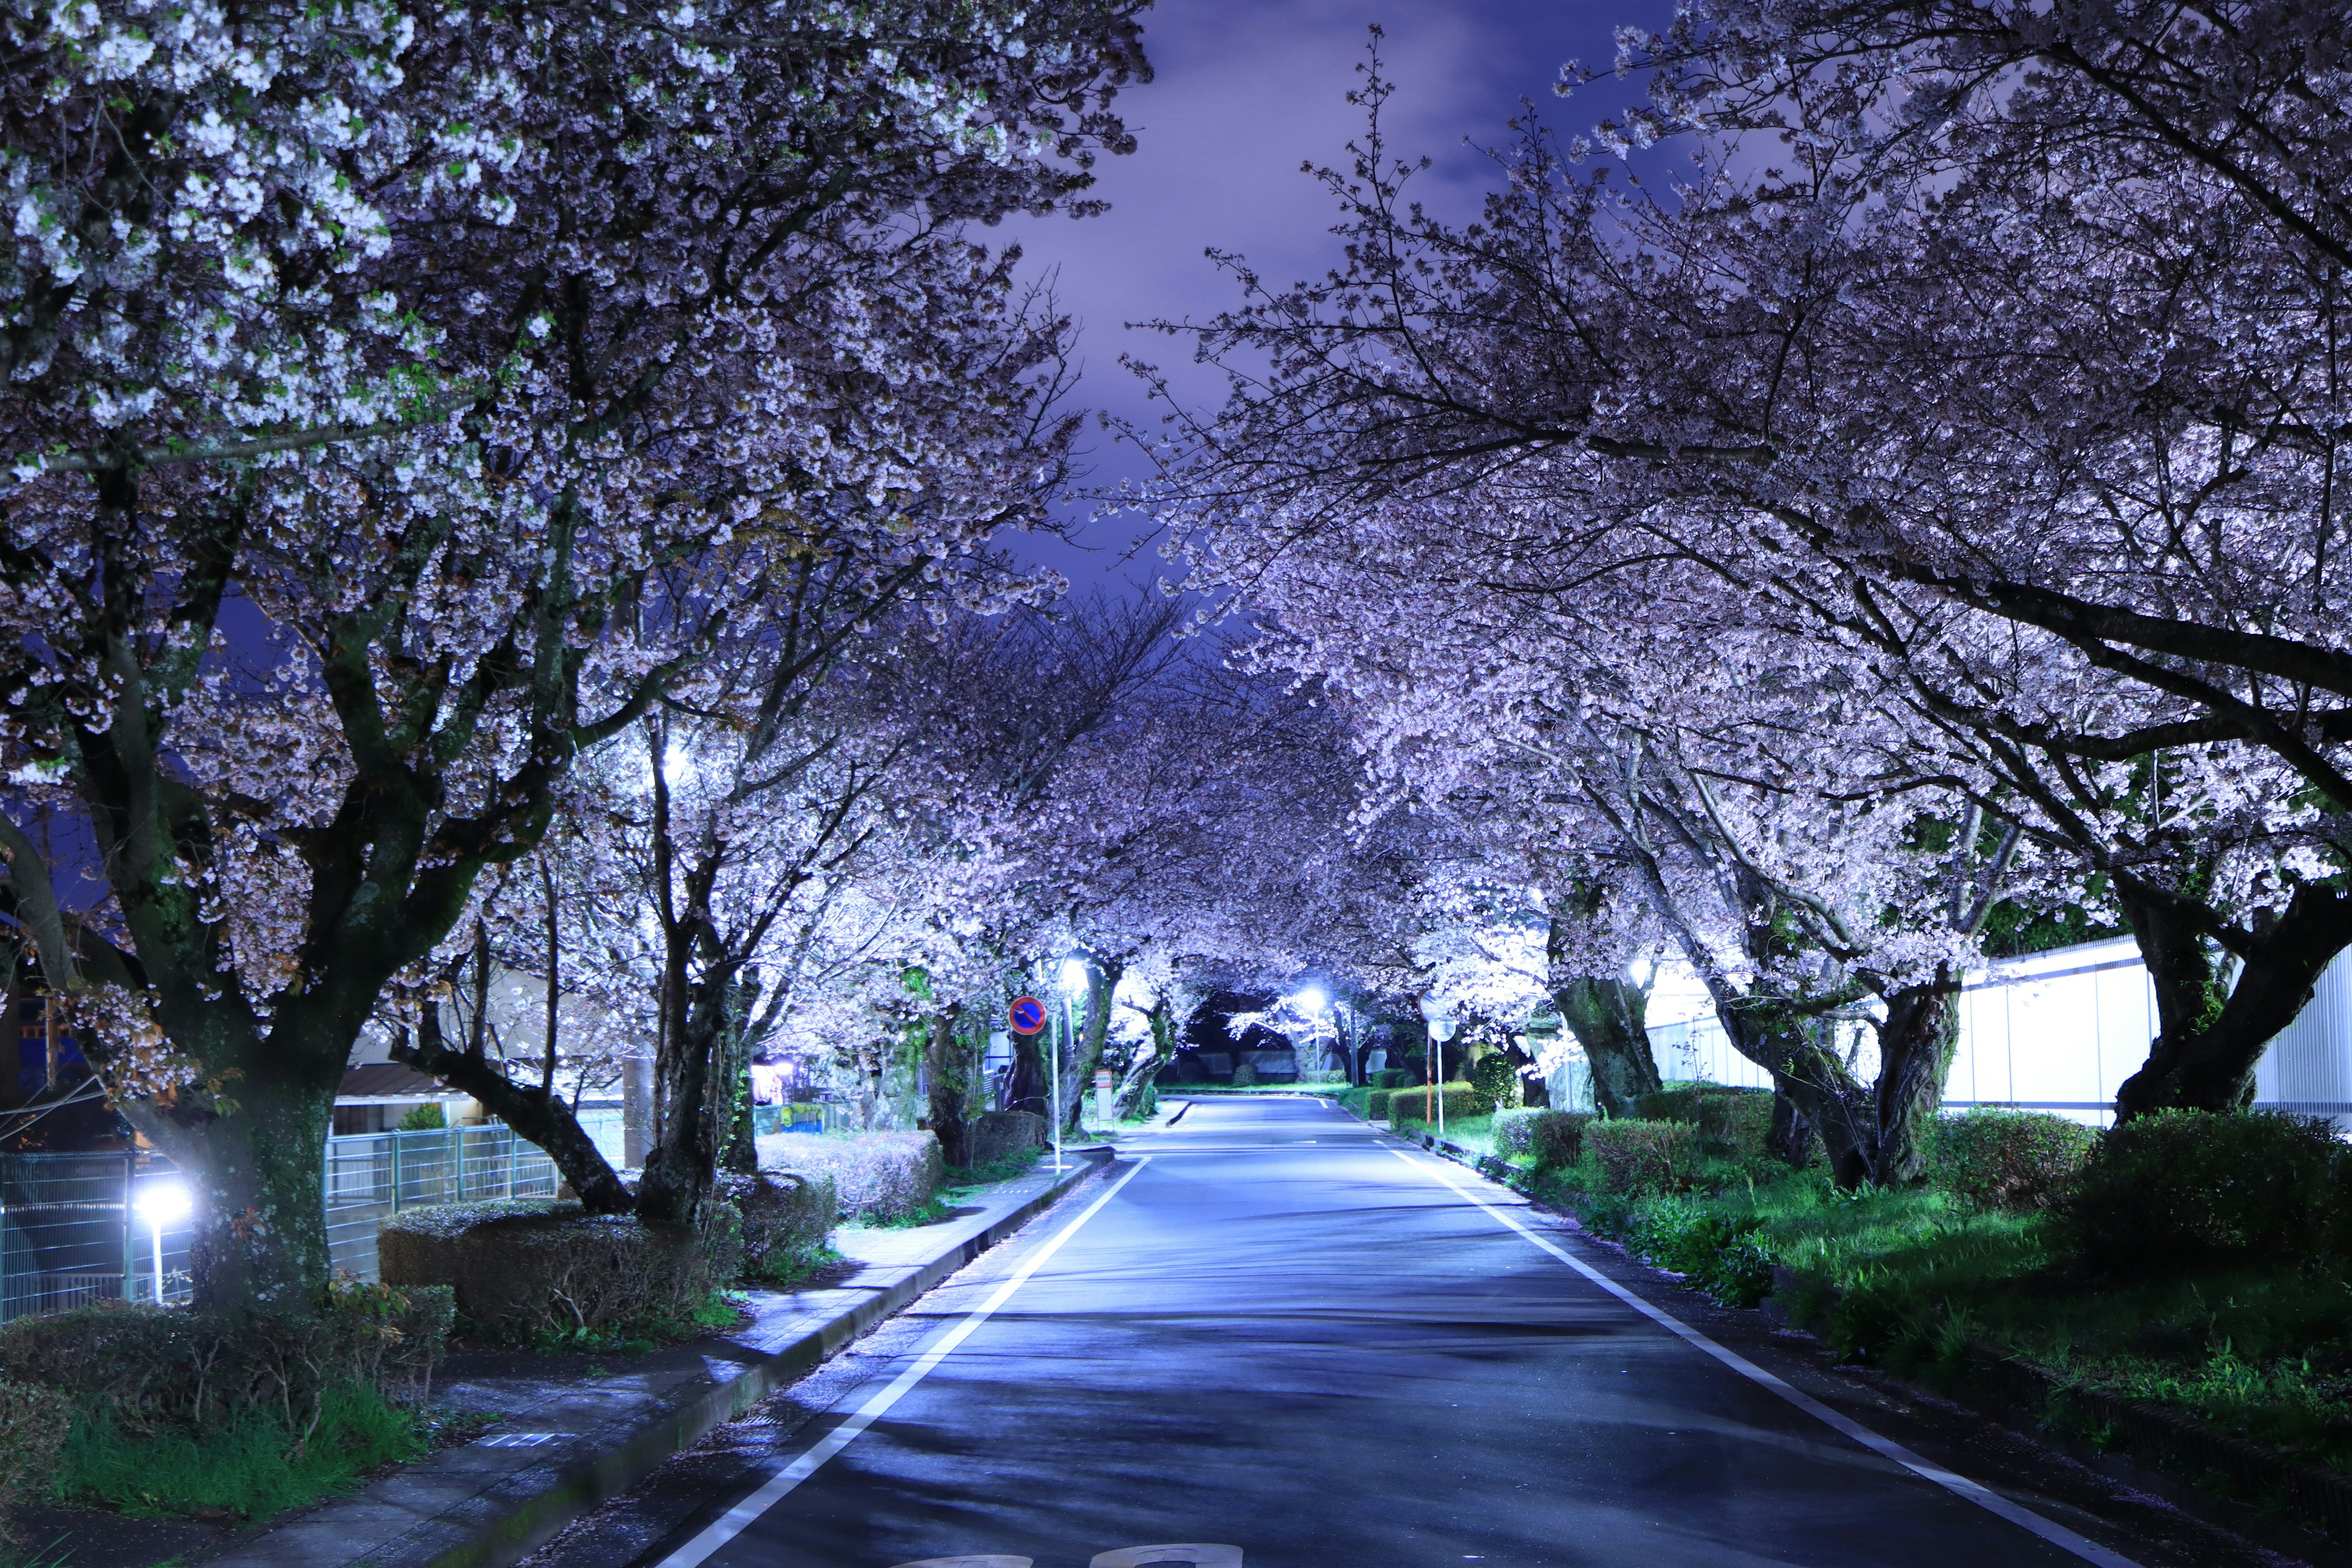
1247,90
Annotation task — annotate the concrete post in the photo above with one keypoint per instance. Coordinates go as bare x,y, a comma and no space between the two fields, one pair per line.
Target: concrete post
637,1110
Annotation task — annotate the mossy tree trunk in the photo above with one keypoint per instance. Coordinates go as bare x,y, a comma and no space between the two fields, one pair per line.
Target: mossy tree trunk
1608,1015
948,1067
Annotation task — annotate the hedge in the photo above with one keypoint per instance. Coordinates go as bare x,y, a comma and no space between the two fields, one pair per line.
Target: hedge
151,1365
2195,1186
1644,1156
1461,1102
33,1422
521,1269
787,1220
2016,1160
1551,1139
876,1176
1738,1119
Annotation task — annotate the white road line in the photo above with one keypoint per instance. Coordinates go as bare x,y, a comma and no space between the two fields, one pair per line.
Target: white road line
1959,1486
735,1519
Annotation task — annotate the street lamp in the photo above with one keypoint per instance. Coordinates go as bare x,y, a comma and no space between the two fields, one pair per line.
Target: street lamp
160,1203
1438,1014
1311,1002
1073,980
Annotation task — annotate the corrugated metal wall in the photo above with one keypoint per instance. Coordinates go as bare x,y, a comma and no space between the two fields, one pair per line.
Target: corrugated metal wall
2059,1031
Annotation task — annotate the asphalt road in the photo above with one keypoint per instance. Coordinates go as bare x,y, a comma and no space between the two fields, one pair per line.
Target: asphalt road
1281,1334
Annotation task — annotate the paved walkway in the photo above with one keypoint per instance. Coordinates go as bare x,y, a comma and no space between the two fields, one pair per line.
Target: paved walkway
564,1443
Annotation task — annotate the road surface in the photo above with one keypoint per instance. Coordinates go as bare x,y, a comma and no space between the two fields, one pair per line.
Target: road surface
1284,1334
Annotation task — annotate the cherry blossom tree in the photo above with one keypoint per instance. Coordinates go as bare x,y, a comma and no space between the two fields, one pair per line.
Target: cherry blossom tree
404,404
1999,384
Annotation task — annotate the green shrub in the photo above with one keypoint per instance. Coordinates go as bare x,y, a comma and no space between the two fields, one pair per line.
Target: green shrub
1461,1102
34,1423
1737,1121
1391,1078
424,1119
880,1178
2185,1187
1635,1156
1376,1104
1244,1075
251,1463
1722,1253
786,1221
527,1270
1497,1081
152,1367
1551,1139
2016,1160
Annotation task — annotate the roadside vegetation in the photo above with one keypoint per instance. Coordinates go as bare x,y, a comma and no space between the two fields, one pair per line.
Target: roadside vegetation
2196,1261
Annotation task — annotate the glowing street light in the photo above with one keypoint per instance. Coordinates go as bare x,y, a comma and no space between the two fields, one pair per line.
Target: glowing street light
1312,1001
162,1204
1439,1015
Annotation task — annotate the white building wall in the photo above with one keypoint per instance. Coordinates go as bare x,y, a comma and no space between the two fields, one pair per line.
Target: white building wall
2057,1031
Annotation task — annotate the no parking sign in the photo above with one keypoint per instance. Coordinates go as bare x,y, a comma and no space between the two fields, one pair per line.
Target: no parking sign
1028,1015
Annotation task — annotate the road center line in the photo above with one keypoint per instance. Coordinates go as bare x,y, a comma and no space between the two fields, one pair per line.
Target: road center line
1959,1486
735,1519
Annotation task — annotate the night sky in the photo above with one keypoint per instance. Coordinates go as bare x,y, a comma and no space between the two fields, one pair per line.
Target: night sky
1247,90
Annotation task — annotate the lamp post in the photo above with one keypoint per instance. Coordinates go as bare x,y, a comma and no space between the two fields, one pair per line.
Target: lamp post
1073,980
1312,1001
1439,1015
162,1203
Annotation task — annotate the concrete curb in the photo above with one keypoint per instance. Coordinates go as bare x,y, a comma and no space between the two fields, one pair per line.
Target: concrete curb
457,1511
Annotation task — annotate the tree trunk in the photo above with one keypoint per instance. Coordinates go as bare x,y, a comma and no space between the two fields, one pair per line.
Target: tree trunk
2210,1033
254,1157
1609,1018
1102,982
536,1112
1026,1089
948,1072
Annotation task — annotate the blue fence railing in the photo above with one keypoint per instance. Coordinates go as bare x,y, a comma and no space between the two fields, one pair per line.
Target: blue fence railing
74,1229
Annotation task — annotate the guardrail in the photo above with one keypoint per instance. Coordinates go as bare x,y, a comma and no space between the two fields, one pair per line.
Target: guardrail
71,1232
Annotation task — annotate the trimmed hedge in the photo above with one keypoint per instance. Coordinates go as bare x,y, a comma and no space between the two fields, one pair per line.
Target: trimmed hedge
1462,1102
33,1422
1644,1156
876,1176
1738,1119
1551,1139
1495,1078
2195,1186
152,1366
521,1269
1391,1078
787,1220
2015,1161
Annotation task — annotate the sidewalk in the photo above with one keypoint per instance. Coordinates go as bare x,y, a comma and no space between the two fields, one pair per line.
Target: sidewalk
561,1447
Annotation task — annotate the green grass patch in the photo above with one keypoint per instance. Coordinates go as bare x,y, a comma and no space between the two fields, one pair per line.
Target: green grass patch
634,1336
251,1467
1916,1279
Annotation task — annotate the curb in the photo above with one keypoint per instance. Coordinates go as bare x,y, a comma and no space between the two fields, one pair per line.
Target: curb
513,1514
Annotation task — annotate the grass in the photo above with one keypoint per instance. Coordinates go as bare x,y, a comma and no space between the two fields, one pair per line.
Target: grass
1920,1280
247,1468
635,1336
1917,1280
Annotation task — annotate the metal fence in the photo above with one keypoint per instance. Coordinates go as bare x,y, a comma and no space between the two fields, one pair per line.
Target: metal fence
72,1228
806,1116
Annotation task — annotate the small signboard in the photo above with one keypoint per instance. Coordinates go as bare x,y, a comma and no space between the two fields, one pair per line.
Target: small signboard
1028,1015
